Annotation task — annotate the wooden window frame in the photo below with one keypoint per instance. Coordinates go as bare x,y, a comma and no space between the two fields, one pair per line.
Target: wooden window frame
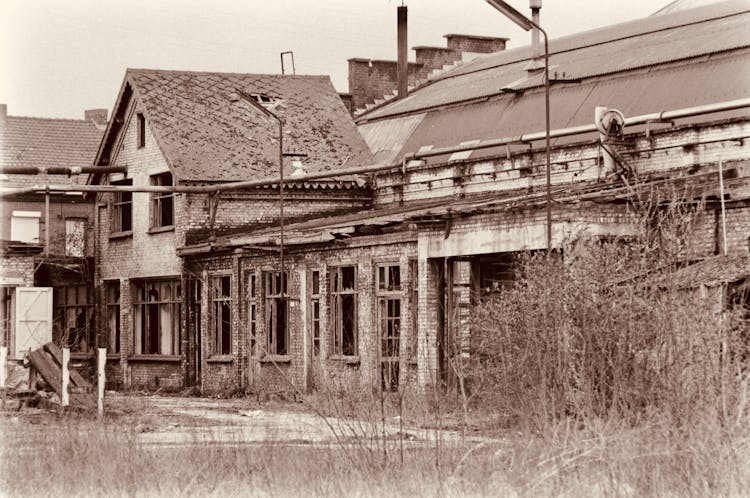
220,327
143,306
339,294
162,203
276,296
121,210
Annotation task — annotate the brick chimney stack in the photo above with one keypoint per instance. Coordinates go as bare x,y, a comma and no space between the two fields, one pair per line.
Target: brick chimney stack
402,73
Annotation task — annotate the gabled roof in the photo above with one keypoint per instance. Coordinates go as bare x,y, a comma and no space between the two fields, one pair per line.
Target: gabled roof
208,132
689,58
42,142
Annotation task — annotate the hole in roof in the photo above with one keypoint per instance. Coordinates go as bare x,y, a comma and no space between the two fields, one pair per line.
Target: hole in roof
262,98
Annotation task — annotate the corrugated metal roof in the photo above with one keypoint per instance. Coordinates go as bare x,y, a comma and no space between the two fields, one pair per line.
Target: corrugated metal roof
386,139
627,46
717,79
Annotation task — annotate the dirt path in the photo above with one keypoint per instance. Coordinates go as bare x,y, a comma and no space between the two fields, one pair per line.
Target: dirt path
182,421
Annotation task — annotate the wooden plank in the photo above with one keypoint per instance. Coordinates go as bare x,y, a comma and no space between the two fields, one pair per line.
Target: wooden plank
46,367
75,377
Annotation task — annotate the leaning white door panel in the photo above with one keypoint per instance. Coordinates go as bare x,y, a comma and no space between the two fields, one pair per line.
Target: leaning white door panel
33,319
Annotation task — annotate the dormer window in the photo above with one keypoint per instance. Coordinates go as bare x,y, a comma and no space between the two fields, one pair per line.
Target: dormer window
141,130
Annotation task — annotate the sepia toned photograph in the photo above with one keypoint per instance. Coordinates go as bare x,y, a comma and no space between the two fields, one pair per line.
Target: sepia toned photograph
375,248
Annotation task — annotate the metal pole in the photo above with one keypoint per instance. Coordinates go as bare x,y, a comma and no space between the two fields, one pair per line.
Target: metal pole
281,205
723,208
547,136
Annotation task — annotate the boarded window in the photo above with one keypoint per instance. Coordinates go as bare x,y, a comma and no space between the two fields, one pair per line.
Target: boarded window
162,203
156,317
277,313
344,310
24,226
75,237
121,212
33,316
221,300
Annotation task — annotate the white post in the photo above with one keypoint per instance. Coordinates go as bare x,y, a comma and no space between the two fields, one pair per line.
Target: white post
65,376
101,363
3,361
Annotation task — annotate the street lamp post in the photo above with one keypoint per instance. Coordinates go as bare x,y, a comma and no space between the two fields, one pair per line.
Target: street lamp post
527,24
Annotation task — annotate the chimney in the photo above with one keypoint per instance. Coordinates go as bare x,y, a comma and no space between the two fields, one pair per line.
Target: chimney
3,113
403,68
535,63
98,116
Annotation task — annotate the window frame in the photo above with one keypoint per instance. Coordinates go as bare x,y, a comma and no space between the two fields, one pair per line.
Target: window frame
72,243
22,221
61,305
113,322
158,202
218,327
390,297
140,140
141,317
338,294
276,292
315,307
252,310
120,203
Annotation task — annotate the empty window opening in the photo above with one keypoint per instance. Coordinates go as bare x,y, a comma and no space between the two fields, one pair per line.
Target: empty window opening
112,299
121,212
156,317
74,318
221,296
141,130
162,203
344,310
277,313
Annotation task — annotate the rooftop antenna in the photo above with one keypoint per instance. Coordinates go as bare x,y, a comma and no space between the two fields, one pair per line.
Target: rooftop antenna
290,53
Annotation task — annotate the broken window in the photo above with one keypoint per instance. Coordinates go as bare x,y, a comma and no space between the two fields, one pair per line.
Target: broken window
344,310
221,300
121,212
162,203
156,317
112,300
315,311
74,317
389,318
277,313
75,237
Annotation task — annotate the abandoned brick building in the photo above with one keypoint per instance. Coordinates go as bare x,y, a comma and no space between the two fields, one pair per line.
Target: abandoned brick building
361,269
195,132
381,296
46,265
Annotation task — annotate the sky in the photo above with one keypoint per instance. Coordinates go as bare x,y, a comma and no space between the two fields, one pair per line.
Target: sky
58,58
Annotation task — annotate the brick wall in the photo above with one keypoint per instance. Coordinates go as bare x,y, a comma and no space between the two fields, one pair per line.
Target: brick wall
476,44
370,80
257,371
60,210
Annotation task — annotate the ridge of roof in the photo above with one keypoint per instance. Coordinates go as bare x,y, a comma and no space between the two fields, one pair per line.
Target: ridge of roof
35,118
223,73
589,39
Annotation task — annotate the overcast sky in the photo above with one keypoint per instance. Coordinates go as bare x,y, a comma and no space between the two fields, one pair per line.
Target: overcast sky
58,58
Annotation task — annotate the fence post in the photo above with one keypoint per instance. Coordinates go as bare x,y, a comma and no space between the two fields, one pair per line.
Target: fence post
65,401
101,363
